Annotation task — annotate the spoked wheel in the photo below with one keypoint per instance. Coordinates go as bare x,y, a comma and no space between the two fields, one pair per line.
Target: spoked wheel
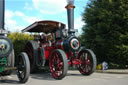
23,68
31,48
58,64
88,62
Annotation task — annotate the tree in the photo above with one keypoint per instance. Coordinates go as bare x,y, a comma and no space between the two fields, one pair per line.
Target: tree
106,30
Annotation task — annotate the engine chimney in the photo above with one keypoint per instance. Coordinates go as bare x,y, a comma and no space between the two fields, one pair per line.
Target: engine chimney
70,13
2,8
1,14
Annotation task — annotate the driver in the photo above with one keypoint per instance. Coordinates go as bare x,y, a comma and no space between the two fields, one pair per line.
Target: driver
46,39
51,37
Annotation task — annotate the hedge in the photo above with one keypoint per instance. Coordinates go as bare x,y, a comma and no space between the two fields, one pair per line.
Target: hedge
19,40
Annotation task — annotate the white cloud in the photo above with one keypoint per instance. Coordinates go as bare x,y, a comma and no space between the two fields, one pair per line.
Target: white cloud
78,24
12,25
50,6
11,22
28,7
31,20
9,14
18,13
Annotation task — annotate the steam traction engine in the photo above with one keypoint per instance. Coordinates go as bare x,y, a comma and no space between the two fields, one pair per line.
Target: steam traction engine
58,47
7,58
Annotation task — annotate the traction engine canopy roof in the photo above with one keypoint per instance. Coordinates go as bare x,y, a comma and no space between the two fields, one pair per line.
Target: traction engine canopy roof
44,26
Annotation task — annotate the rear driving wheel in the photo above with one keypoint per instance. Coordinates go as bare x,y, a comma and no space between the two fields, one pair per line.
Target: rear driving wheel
23,68
88,62
58,64
31,48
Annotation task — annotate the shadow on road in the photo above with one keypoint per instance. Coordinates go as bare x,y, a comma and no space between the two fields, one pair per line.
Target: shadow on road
42,75
71,74
46,75
6,81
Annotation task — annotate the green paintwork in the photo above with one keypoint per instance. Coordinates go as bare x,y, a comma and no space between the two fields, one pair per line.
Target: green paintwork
3,62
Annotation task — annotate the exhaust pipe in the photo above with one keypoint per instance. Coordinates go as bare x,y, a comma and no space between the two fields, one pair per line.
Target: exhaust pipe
70,13
2,8
2,3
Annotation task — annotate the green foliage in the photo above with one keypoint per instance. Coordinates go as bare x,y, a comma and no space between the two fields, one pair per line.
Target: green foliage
106,30
19,40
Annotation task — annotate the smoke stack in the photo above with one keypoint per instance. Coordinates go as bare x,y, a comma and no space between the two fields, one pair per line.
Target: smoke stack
2,14
70,13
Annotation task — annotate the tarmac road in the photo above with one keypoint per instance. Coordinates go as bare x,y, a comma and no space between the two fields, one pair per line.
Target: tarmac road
72,78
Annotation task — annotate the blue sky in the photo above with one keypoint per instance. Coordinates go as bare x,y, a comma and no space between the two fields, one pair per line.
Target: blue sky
21,13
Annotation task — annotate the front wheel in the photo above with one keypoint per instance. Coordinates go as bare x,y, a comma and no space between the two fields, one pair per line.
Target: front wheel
23,68
88,62
58,64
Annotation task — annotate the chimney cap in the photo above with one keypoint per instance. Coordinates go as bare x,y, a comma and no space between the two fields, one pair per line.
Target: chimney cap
70,6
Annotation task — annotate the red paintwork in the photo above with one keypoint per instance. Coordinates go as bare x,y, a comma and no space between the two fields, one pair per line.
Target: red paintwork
74,62
56,69
86,61
48,51
58,44
67,55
